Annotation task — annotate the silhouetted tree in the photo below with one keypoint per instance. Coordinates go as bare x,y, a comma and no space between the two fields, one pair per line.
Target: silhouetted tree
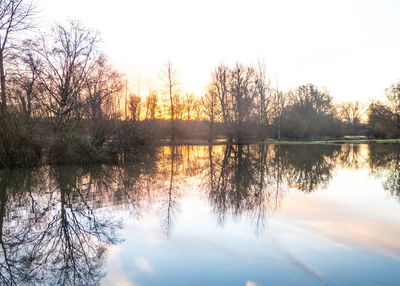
393,97
210,109
219,85
102,86
134,105
67,58
309,114
350,112
15,17
264,99
171,84
381,121
189,102
242,90
151,104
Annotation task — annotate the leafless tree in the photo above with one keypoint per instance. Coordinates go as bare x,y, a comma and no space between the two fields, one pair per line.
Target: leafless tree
67,59
15,16
197,110
210,108
350,112
171,84
220,86
393,97
242,90
264,97
279,102
189,102
103,85
310,96
151,104
134,104
23,83
179,106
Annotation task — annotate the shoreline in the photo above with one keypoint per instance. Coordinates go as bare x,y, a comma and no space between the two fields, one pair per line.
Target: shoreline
202,142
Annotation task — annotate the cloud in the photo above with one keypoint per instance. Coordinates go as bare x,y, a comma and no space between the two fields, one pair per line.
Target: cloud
115,273
251,283
143,264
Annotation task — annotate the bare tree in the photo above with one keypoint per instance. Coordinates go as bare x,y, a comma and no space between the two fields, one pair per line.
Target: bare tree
264,98
351,112
171,84
103,85
189,102
310,96
220,85
242,90
210,108
23,83
151,104
134,103
15,16
67,59
179,106
280,101
197,109
393,97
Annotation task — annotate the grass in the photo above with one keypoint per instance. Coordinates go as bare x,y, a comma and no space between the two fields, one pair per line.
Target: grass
338,141
282,142
388,140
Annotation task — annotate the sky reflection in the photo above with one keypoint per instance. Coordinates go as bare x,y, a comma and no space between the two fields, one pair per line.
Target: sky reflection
226,215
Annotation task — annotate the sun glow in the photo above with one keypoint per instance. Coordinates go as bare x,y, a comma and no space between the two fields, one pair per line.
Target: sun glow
308,44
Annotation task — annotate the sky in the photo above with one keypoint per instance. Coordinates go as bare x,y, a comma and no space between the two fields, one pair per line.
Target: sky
350,47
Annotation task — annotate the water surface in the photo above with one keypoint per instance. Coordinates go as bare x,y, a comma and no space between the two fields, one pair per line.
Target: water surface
198,215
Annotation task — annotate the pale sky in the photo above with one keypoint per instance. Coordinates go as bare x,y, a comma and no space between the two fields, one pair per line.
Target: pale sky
350,47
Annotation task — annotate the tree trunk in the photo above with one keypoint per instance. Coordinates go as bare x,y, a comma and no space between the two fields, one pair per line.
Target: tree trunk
172,113
2,82
279,129
210,131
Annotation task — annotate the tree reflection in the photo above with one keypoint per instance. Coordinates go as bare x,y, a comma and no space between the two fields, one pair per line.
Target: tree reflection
63,241
169,200
384,162
56,223
351,156
15,190
70,250
308,167
239,182
252,179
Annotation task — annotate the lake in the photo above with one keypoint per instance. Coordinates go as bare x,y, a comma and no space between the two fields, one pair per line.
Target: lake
198,215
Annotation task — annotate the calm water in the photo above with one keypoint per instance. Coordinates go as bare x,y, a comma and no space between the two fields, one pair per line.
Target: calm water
247,215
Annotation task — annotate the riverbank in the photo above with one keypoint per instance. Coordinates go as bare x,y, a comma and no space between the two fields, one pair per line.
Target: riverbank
340,141
178,142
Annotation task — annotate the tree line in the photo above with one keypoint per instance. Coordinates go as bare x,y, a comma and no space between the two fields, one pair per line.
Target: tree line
62,100
60,95
241,104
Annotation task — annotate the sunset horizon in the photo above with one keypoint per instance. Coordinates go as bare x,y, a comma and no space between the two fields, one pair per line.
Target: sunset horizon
201,143
348,47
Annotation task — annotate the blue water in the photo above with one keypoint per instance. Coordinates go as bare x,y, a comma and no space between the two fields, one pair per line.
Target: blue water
240,215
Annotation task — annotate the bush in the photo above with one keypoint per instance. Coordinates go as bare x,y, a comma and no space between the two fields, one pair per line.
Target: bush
20,147
75,150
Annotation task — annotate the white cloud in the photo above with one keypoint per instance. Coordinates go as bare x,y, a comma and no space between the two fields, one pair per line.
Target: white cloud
143,264
115,273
